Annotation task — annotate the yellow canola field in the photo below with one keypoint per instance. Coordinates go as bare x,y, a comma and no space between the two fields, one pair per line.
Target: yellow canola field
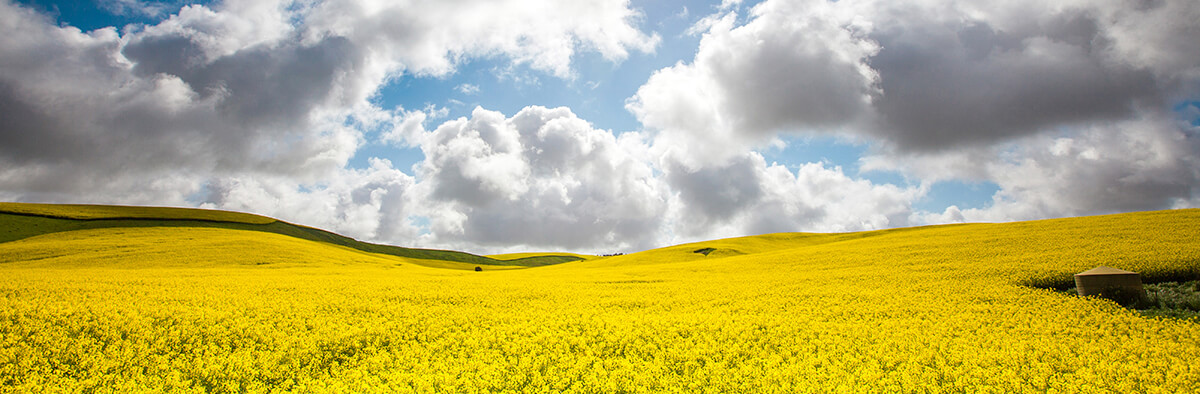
933,309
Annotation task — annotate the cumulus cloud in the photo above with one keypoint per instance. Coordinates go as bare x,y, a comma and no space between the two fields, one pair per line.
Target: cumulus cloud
254,98
544,178
1070,107
794,66
748,196
954,75
371,203
1139,164
431,37
404,127
539,179
202,92
252,85
948,90
928,75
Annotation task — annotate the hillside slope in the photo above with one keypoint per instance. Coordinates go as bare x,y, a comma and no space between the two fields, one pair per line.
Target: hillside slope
194,247
23,220
1161,245
930,309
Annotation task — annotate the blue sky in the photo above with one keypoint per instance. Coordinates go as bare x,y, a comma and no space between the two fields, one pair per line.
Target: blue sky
678,120
598,90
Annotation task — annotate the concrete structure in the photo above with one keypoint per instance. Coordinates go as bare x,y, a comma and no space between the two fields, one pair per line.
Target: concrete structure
1116,284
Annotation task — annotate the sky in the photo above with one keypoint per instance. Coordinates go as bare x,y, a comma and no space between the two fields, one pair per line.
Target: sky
603,126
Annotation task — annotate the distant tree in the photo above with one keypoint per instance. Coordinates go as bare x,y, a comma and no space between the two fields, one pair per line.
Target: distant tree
478,269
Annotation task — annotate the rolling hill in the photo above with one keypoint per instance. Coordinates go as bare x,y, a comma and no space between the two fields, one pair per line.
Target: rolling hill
953,308
23,220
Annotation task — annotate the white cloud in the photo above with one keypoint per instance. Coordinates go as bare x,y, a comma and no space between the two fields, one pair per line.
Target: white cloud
541,179
372,204
1159,36
747,196
923,75
259,106
1066,106
246,88
151,9
176,97
545,179
467,89
1140,164
407,128
793,66
431,37
959,74
683,13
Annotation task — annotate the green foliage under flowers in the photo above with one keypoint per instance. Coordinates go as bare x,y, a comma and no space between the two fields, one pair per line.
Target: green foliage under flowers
1174,299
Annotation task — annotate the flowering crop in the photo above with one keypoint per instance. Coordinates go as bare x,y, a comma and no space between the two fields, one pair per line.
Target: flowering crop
930,309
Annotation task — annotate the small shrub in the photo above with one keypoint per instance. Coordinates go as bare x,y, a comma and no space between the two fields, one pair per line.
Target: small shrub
1174,295
1125,296
1167,299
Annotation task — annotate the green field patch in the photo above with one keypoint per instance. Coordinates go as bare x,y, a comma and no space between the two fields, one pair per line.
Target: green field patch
1178,300
109,212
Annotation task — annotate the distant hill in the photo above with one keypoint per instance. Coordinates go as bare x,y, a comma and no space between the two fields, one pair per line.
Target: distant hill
24,220
1027,252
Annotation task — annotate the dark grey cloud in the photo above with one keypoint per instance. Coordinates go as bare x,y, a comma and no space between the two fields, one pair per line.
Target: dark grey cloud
259,105
793,67
29,130
946,84
925,75
715,194
82,108
1068,109
265,86
949,89
260,87
790,78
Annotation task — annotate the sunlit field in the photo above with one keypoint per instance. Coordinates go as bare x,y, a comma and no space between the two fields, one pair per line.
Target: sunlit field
958,308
